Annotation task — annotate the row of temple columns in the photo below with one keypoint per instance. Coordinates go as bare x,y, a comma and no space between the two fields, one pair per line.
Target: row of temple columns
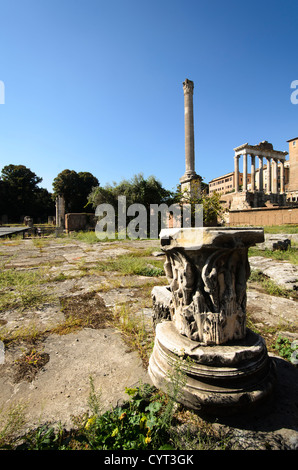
272,170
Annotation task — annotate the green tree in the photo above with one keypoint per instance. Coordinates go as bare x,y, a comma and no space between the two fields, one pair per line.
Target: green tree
22,195
43,204
137,190
150,191
212,207
75,188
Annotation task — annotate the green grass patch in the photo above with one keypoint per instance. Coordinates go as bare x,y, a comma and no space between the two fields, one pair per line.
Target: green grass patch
281,229
87,237
20,289
132,265
290,255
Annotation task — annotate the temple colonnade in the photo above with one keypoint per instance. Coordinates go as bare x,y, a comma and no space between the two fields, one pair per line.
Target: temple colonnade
261,154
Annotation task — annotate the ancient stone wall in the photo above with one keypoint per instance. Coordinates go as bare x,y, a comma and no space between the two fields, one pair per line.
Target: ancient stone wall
264,216
79,221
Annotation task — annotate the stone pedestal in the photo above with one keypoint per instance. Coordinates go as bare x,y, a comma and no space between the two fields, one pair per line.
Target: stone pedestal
201,331
216,380
190,188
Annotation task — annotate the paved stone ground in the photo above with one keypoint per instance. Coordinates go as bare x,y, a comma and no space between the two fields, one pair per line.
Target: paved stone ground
62,386
283,273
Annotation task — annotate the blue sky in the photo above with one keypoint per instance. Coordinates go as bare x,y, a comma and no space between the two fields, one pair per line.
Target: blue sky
93,85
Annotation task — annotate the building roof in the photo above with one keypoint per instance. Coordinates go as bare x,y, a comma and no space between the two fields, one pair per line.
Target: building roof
295,138
222,176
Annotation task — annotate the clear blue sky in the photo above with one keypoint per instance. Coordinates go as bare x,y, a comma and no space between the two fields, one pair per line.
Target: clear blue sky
93,85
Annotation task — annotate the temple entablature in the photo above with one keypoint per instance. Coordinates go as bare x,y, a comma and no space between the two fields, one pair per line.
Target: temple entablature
264,149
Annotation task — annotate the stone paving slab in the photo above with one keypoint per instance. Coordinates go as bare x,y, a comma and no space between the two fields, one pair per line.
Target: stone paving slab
62,387
281,272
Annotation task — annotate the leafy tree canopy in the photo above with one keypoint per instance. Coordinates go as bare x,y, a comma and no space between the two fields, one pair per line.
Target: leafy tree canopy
21,195
75,188
20,178
136,190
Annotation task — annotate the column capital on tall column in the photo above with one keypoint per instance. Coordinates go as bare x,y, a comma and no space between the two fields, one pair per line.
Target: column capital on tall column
188,86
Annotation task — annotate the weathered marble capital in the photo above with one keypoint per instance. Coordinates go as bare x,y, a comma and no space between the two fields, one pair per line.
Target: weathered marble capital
188,86
207,269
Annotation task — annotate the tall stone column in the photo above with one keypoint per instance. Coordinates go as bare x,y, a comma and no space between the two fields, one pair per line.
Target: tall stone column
190,181
268,175
275,176
236,172
282,177
60,211
188,87
260,173
253,173
244,187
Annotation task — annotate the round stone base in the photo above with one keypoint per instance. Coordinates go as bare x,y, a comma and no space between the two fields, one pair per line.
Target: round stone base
213,379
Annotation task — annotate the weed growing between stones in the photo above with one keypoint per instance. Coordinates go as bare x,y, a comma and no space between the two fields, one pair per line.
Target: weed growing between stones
134,332
269,286
287,349
146,421
27,366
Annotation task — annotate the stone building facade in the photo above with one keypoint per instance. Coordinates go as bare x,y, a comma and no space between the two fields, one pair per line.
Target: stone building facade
226,183
292,188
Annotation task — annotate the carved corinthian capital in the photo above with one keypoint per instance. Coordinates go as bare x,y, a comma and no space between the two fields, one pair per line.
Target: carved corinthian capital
207,274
